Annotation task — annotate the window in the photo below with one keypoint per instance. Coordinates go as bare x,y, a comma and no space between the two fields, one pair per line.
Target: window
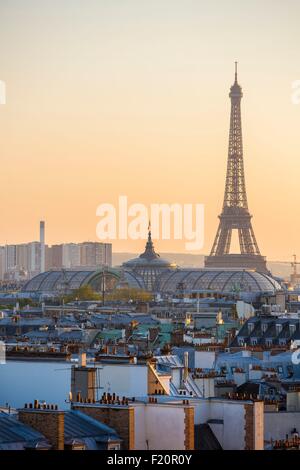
114,447
292,329
278,328
290,371
78,447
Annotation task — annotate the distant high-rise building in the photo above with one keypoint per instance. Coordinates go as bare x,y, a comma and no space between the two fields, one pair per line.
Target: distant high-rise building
2,262
10,257
54,257
20,261
25,260
34,255
76,255
71,255
22,257
95,254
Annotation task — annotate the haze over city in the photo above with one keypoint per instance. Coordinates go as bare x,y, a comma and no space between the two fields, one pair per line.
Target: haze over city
149,243
131,97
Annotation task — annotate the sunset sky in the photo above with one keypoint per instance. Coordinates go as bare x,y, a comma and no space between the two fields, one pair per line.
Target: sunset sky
130,97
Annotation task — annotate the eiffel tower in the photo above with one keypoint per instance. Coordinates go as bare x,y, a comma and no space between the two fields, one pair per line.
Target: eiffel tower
235,214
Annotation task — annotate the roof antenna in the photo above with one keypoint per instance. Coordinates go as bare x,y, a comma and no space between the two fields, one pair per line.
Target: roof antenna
236,72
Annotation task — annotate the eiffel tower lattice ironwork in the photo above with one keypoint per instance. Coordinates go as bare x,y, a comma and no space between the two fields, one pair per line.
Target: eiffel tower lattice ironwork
235,214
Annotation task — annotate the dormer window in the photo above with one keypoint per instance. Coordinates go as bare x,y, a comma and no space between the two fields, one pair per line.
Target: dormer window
264,327
250,327
292,329
278,328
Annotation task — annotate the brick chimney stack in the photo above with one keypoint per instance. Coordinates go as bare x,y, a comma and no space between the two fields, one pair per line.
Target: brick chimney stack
48,421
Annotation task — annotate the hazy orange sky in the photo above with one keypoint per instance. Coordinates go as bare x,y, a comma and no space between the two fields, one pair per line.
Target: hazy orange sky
130,97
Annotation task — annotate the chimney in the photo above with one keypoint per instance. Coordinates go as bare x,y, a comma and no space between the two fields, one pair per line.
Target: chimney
83,380
82,359
254,426
120,418
186,365
51,423
42,242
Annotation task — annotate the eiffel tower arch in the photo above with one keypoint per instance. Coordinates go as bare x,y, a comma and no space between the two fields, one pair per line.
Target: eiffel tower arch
235,213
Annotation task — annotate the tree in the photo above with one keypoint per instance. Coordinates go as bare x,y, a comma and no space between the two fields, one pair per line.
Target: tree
127,294
83,293
25,302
